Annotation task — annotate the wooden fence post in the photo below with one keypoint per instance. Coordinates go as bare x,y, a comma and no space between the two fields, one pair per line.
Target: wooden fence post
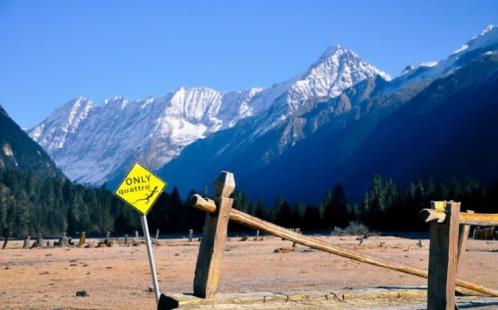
256,238
212,245
157,236
26,242
126,240
7,233
107,240
82,239
443,252
39,243
190,235
62,241
462,240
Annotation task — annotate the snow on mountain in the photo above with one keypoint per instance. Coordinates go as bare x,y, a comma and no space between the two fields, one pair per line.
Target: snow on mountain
335,70
52,133
486,41
92,143
425,64
486,37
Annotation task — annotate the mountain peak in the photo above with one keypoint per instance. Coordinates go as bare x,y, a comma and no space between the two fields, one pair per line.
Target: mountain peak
333,50
488,29
335,70
336,55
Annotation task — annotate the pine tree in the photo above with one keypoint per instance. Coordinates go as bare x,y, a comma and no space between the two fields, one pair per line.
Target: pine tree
335,211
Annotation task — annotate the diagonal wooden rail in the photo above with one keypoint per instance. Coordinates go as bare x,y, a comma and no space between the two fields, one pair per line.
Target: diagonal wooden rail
209,206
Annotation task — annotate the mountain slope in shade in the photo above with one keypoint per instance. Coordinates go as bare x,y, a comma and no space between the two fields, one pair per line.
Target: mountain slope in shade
448,130
18,151
96,144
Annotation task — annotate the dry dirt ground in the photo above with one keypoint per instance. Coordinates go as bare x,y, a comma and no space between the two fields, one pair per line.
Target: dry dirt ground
119,278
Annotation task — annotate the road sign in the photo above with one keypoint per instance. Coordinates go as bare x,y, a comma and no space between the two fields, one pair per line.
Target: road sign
140,188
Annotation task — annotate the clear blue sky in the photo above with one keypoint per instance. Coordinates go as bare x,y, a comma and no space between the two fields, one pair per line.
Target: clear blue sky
52,51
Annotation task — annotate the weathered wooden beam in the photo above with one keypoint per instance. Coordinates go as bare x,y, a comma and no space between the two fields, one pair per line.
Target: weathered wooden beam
207,270
477,219
209,206
443,252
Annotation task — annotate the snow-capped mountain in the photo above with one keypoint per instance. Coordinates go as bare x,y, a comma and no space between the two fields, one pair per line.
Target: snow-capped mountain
301,154
335,70
93,143
90,143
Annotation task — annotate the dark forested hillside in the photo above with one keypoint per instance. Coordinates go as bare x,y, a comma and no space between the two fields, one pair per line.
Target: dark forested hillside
30,204
18,151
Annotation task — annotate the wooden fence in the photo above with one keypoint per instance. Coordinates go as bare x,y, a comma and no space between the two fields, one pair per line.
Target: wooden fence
448,242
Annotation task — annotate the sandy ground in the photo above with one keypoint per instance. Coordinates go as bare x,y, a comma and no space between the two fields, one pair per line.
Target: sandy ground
119,278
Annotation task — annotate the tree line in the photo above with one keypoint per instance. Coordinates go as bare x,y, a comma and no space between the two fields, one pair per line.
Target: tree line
30,204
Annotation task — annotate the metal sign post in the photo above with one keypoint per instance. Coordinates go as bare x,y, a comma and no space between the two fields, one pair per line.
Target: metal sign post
140,189
150,254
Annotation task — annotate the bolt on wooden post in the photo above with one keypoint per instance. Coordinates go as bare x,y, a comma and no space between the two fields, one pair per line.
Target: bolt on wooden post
207,270
443,256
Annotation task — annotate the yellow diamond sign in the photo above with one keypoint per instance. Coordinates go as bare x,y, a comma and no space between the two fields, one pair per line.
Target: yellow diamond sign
140,188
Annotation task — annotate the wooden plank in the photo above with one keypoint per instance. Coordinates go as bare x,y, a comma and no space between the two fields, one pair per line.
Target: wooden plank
443,260
476,219
209,206
207,270
338,299
462,241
